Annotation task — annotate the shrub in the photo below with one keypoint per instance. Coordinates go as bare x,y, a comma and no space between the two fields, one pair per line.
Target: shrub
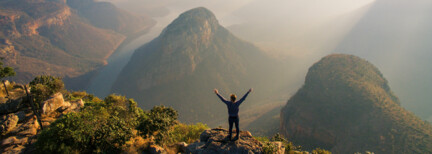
262,139
6,71
269,148
278,137
42,87
184,133
289,146
84,132
82,95
99,127
158,120
320,151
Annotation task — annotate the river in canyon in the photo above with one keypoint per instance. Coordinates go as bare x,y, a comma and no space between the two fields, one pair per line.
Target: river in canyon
100,85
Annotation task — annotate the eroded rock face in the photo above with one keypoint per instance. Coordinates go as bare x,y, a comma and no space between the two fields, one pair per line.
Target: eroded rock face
52,104
77,104
8,123
216,141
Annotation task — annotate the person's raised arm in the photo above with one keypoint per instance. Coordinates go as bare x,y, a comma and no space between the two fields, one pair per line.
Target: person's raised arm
220,97
244,97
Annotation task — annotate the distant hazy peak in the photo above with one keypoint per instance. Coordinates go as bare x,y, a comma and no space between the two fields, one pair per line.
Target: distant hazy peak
348,67
197,21
199,12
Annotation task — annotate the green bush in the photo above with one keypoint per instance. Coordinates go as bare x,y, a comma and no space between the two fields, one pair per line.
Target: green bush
71,96
99,127
158,121
6,71
42,87
184,133
289,146
269,148
320,151
262,139
279,138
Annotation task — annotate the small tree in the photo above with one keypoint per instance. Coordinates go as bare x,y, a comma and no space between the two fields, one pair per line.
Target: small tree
44,86
5,71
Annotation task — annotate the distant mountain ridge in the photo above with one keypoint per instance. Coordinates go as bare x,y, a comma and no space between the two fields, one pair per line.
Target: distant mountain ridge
347,106
106,15
193,55
50,37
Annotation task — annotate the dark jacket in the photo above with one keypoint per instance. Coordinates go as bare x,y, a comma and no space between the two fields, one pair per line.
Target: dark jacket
233,107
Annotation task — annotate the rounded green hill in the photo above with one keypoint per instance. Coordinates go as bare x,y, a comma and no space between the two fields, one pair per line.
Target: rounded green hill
347,106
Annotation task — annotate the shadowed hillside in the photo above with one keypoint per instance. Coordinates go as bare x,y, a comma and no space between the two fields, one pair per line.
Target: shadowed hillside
347,106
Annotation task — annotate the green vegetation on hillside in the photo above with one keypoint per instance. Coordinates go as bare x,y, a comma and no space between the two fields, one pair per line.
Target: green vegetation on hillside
269,147
113,125
99,127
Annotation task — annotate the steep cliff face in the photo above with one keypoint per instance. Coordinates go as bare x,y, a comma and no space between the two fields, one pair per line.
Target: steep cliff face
347,106
50,37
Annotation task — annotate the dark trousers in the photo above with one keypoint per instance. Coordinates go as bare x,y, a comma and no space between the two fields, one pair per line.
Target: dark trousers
232,120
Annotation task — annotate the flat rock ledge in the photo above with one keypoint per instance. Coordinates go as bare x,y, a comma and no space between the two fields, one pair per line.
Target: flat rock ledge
215,141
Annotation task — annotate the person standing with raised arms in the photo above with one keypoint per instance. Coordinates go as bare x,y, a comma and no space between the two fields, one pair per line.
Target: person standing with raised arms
233,109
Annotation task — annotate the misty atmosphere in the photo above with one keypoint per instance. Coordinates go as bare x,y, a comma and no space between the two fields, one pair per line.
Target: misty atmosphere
329,76
390,34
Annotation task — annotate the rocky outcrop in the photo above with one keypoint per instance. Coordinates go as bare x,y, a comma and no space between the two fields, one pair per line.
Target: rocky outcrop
11,106
8,123
216,141
19,126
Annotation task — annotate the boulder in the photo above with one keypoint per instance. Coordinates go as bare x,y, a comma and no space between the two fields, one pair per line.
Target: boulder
71,106
13,145
29,128
11,106
53,103
181,146
14,140
216,141
8,123
155,149
77,104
